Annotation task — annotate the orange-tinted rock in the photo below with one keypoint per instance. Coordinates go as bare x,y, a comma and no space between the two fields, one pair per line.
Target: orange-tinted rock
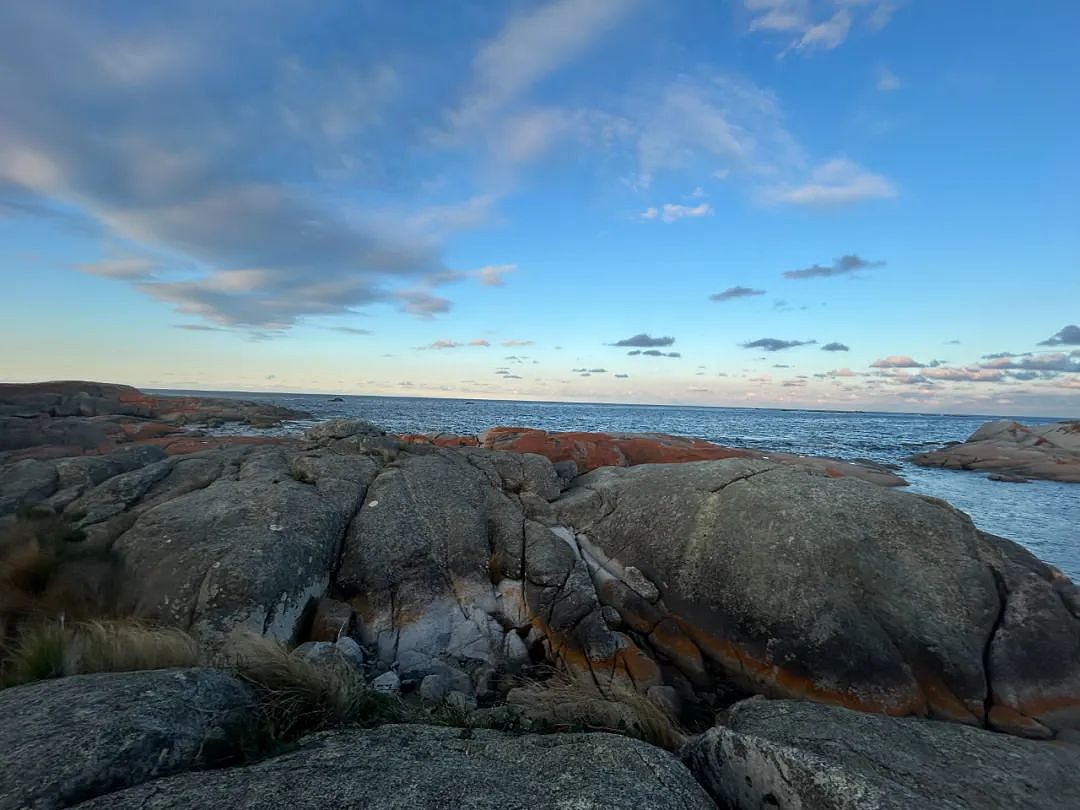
592,450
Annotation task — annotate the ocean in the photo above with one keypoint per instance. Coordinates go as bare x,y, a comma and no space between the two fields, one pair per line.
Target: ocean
1044,516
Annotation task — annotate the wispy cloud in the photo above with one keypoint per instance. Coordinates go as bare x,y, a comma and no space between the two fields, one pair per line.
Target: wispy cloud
516,343
886,81
842,266
671,212
653,353
494,275
775,344
349,330
732,293
810,25
834,183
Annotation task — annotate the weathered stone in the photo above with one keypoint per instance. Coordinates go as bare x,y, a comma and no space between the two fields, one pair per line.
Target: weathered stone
341,429
70,739
796,584
388,682
795,754
429,768
1014,452
249,552
332,620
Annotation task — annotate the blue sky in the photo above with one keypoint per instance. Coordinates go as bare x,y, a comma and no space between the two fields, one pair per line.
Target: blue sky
865,204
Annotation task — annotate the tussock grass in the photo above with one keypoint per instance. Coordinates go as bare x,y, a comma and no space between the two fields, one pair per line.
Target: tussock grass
299,696
54,649
49,571
563,704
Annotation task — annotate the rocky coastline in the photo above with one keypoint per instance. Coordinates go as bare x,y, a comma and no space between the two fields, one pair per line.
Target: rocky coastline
1012,452
795,632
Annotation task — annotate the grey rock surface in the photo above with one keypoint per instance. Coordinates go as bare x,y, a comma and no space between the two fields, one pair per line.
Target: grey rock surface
798,755
432,768
70,739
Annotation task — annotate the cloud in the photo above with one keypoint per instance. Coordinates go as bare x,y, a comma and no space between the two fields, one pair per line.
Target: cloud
1048,361
670,212
512,377
775,345
528,48
816,24
145,130
697,389
838,372
198,327
843,266
479,342
826,35
442,344
349,330
653,353
793,383
1068,336
516,343
492,275
834,183
643,340
887,81
126,269
897,361
835,347
963,374
735,292
621,376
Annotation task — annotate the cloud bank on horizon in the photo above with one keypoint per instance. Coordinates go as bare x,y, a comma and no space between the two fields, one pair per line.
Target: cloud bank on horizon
278,197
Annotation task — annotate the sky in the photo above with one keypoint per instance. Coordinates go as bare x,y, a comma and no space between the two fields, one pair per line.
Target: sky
840,204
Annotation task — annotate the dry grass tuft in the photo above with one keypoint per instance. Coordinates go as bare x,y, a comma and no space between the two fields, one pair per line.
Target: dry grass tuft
54,649
563,704
299,696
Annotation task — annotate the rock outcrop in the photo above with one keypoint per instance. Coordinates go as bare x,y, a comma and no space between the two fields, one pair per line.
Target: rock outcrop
589,451
68,740
1013,452
56,419
404,767
697,583
795,754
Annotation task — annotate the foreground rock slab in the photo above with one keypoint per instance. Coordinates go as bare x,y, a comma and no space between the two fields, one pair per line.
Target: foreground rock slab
68,740
793,754
1013,452
431,768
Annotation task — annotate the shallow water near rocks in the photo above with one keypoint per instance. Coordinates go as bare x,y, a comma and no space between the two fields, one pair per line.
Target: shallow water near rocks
1044,516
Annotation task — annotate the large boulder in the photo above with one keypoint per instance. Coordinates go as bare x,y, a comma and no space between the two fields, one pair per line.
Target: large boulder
422,562
798,755
779,580
1011,451
252,550
430,768
71,739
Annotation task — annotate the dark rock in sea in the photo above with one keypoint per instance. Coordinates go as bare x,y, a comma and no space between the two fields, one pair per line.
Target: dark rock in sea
336,399
1013,451
792,754
402,767
68,740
